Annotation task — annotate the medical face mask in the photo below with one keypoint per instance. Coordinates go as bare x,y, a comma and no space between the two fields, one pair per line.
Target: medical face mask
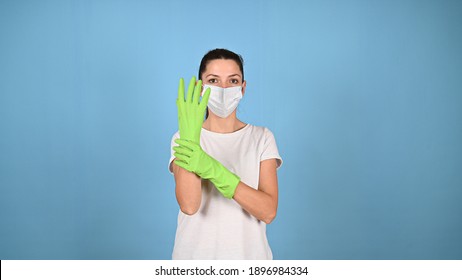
223,101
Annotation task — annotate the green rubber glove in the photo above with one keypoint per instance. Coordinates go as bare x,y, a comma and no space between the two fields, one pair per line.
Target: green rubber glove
191,111
191,157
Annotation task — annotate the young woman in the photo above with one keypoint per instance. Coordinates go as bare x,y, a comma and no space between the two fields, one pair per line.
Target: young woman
224,169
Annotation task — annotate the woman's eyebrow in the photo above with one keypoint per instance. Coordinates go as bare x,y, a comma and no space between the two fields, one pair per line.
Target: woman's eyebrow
213,75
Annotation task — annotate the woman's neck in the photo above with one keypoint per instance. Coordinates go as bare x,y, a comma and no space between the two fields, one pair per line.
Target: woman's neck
220,125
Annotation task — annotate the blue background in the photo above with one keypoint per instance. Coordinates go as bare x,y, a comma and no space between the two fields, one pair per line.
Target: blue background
364,98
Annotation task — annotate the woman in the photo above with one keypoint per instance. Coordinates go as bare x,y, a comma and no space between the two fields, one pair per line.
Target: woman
224,169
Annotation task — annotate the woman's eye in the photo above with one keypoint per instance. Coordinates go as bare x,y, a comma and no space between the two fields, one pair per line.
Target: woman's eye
213,81
234,81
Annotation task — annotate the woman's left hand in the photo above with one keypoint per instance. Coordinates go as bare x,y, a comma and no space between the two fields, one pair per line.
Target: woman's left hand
190,156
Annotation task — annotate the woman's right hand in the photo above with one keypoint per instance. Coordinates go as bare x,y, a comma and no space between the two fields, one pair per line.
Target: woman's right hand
191,111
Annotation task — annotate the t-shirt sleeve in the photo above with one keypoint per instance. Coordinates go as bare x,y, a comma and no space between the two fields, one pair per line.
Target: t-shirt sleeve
270,149
172,157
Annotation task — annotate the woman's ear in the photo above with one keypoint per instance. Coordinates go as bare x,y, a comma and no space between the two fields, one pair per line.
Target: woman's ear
244,84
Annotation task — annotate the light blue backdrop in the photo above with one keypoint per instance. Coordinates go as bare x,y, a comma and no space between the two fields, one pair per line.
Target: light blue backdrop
364,98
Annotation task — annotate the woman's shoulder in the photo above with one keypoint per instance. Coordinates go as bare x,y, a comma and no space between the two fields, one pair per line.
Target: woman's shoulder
257,128
262,131
175,135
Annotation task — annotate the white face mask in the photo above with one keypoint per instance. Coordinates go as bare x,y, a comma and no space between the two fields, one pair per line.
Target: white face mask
223,101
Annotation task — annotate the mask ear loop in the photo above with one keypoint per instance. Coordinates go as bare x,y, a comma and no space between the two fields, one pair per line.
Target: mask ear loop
203,89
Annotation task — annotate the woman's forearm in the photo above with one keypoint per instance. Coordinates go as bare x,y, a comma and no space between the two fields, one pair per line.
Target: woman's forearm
188,190
259,204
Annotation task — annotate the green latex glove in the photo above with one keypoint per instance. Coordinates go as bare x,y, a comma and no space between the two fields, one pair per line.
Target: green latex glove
191,157
191,111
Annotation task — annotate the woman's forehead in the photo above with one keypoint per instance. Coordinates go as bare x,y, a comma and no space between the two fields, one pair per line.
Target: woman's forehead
223,66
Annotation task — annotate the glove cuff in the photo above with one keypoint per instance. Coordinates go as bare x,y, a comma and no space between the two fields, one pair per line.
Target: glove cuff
226,183
224,180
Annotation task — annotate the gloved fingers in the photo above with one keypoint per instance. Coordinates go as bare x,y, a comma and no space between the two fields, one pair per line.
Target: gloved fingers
182,150
205,100
197,92
192,84
181,157
185,143
181,164
180,91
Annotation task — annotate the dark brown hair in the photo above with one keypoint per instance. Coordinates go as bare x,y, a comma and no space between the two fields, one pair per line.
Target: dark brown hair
221,54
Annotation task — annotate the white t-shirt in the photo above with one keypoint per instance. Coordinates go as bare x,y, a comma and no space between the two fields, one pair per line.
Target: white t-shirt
221,229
